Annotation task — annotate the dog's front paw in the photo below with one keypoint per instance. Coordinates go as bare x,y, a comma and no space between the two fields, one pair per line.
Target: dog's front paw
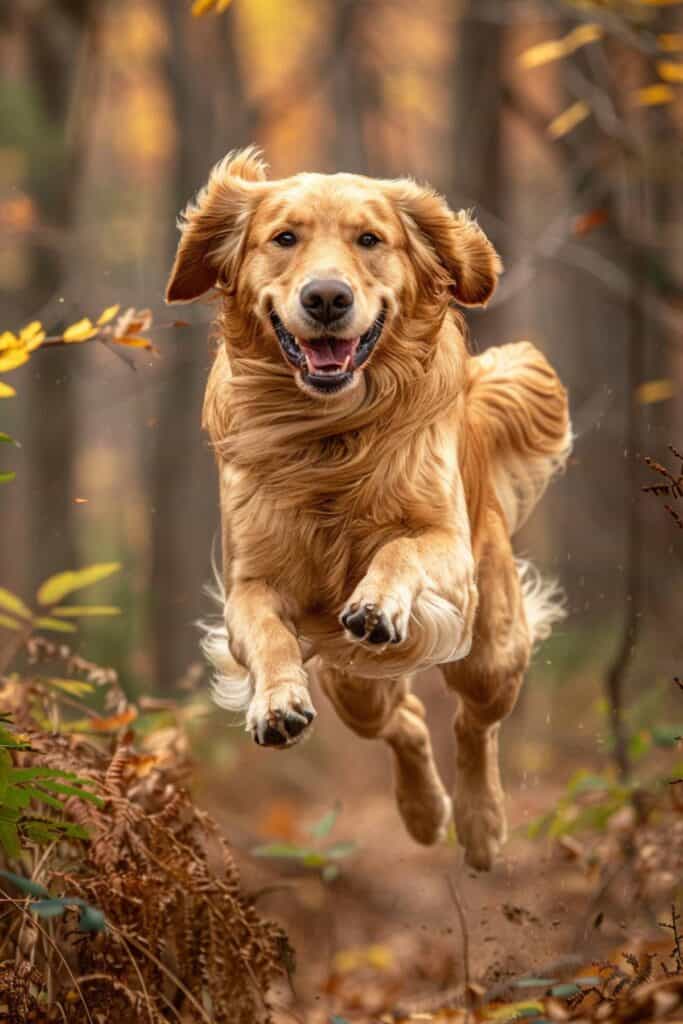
279,717
376,619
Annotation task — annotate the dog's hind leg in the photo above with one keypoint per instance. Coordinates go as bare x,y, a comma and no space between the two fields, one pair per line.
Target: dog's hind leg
488,682
386,709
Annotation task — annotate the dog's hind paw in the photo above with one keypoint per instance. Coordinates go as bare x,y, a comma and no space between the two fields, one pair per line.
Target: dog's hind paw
280,717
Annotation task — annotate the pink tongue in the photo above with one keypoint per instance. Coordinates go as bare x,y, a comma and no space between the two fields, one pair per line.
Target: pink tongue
326,352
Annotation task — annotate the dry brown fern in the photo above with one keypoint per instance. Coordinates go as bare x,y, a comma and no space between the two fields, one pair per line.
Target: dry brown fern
182,940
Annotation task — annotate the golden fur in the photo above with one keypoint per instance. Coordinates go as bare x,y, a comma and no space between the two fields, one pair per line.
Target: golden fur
394,499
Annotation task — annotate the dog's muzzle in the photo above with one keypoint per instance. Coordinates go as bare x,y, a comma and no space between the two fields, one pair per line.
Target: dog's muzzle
327,363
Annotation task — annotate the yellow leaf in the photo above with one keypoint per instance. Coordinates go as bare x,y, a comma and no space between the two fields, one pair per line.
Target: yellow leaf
108,314
670,71
56,625
670,42
6,390
56,587
32,335
13,358
222,5
653,95
9,623
72,611
652,391
200,7
135,342
76,687
11,603
555,49
9,340
568,119
82,330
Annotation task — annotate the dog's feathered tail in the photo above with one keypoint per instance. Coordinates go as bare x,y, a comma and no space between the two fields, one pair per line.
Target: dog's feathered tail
543,601
232,686
516,403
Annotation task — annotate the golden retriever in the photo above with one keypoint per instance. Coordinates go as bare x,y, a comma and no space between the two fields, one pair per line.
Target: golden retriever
372,471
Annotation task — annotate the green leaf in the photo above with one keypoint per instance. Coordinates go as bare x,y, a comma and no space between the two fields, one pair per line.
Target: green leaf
26,885
91,919
6,478
285,850
314,860
339,850
322,828
56,625
9,838
6,439
9,623
330,872
11,603
74,687
56,587
51,908
77,791
74,611
666,735
534,982
565,991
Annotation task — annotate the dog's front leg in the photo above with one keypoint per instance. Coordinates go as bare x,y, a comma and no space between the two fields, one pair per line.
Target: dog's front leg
429,577
264,641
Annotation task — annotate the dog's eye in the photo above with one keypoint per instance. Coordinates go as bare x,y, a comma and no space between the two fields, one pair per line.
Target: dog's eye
368,240
285,239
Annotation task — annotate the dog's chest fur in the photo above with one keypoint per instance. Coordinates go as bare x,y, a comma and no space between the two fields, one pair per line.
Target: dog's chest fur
313,530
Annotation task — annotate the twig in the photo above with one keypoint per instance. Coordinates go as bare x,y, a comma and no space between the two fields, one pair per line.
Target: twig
464,932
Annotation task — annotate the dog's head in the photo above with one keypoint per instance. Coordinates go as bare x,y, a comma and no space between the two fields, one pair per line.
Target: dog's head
326,266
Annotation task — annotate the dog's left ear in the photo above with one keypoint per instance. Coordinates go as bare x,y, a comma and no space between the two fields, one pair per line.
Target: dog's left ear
213,227
460,245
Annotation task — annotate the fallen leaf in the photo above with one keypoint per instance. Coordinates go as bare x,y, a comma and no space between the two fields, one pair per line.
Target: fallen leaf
6,390
568,119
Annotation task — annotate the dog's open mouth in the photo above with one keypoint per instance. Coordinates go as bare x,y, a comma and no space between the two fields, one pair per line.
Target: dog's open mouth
327,363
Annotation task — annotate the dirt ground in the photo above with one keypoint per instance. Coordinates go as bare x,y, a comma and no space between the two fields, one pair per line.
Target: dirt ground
384,936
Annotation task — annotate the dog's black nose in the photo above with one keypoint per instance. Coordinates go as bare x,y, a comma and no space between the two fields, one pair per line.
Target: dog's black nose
326,300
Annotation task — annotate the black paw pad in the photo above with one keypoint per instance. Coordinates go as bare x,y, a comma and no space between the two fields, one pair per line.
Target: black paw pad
281,728
368,622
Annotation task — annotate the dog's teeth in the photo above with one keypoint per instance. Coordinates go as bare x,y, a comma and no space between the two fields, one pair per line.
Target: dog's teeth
347,363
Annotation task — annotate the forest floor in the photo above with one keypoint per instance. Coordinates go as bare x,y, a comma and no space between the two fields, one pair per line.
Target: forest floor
384,937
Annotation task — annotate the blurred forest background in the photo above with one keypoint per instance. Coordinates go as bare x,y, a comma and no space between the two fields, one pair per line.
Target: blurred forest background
559,121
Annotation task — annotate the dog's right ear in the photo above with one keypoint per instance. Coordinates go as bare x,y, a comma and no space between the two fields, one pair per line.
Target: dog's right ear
213,227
